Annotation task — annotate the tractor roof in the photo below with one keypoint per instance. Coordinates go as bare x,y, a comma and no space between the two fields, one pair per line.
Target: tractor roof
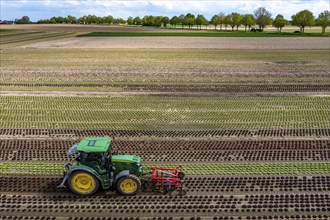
94,144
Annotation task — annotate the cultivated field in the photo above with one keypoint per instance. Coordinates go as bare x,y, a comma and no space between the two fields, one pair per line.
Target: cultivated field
248,118
186,43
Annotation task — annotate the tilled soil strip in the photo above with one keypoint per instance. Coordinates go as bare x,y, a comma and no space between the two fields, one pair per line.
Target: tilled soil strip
173,151
162,205
302,184
35,38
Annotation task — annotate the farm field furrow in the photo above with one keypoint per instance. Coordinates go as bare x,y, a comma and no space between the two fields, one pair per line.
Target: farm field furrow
143,206
195,184
163,134
241,43
183,151
172,88
31,36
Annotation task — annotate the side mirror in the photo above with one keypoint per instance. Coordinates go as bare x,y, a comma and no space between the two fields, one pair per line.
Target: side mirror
72,150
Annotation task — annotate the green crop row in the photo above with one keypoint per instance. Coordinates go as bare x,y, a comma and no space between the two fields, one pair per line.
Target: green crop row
282,168
148,112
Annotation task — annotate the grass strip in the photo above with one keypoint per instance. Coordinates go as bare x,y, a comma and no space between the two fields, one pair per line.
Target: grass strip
199,34
281,168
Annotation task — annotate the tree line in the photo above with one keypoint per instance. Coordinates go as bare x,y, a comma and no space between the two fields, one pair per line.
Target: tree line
261,17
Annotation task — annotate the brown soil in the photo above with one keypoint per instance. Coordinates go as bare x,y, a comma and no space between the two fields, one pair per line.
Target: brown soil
248,43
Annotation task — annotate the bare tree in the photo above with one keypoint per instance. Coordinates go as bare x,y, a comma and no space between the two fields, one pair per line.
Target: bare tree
263,17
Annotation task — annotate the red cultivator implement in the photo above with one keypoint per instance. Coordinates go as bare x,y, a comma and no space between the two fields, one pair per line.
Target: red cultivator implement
166,180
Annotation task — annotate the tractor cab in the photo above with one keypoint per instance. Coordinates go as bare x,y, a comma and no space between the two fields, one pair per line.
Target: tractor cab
93,152
96,166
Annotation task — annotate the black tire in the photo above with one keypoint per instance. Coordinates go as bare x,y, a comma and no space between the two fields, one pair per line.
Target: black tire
77,183
132,184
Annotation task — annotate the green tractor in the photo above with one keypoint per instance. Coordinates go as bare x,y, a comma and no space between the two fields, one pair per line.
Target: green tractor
96,167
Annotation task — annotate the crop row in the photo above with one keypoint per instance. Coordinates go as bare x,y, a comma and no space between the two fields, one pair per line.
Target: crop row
145,102
182,133
162,112
168,88
278,168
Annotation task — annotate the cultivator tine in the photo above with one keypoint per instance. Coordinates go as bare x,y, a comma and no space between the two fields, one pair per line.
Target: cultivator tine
62,185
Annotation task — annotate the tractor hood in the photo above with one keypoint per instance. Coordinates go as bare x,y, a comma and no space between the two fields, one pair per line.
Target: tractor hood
126,159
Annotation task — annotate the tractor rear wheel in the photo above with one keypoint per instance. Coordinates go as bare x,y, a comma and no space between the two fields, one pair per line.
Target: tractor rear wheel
83,183
128,185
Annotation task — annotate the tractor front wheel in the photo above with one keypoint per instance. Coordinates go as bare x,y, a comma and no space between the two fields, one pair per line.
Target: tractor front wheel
83,183
128,185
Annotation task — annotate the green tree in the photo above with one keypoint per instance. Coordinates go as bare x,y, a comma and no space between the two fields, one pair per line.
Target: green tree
130,20
280,22
157,21
189,20
45,21
137,20
120,21
234,20
201,20
165,21
174,21
82,20
52,20
302,19
71,19
109,19
148,20
222,17
248,21
181,17
215,20
226,21
25,20
323,20
263,17
59,20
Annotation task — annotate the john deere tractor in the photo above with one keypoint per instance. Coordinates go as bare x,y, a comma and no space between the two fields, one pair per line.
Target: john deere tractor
95,166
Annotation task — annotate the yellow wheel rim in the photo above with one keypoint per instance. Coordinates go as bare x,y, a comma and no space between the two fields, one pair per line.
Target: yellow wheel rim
83,183
128,186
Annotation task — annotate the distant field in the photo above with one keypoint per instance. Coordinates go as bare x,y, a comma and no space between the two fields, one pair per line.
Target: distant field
200,34
141,66
228,43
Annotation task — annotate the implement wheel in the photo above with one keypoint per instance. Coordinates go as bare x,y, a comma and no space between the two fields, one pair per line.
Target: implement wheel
128,185
83,183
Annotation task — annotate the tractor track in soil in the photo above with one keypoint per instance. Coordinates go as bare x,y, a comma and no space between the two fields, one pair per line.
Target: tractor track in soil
173,151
